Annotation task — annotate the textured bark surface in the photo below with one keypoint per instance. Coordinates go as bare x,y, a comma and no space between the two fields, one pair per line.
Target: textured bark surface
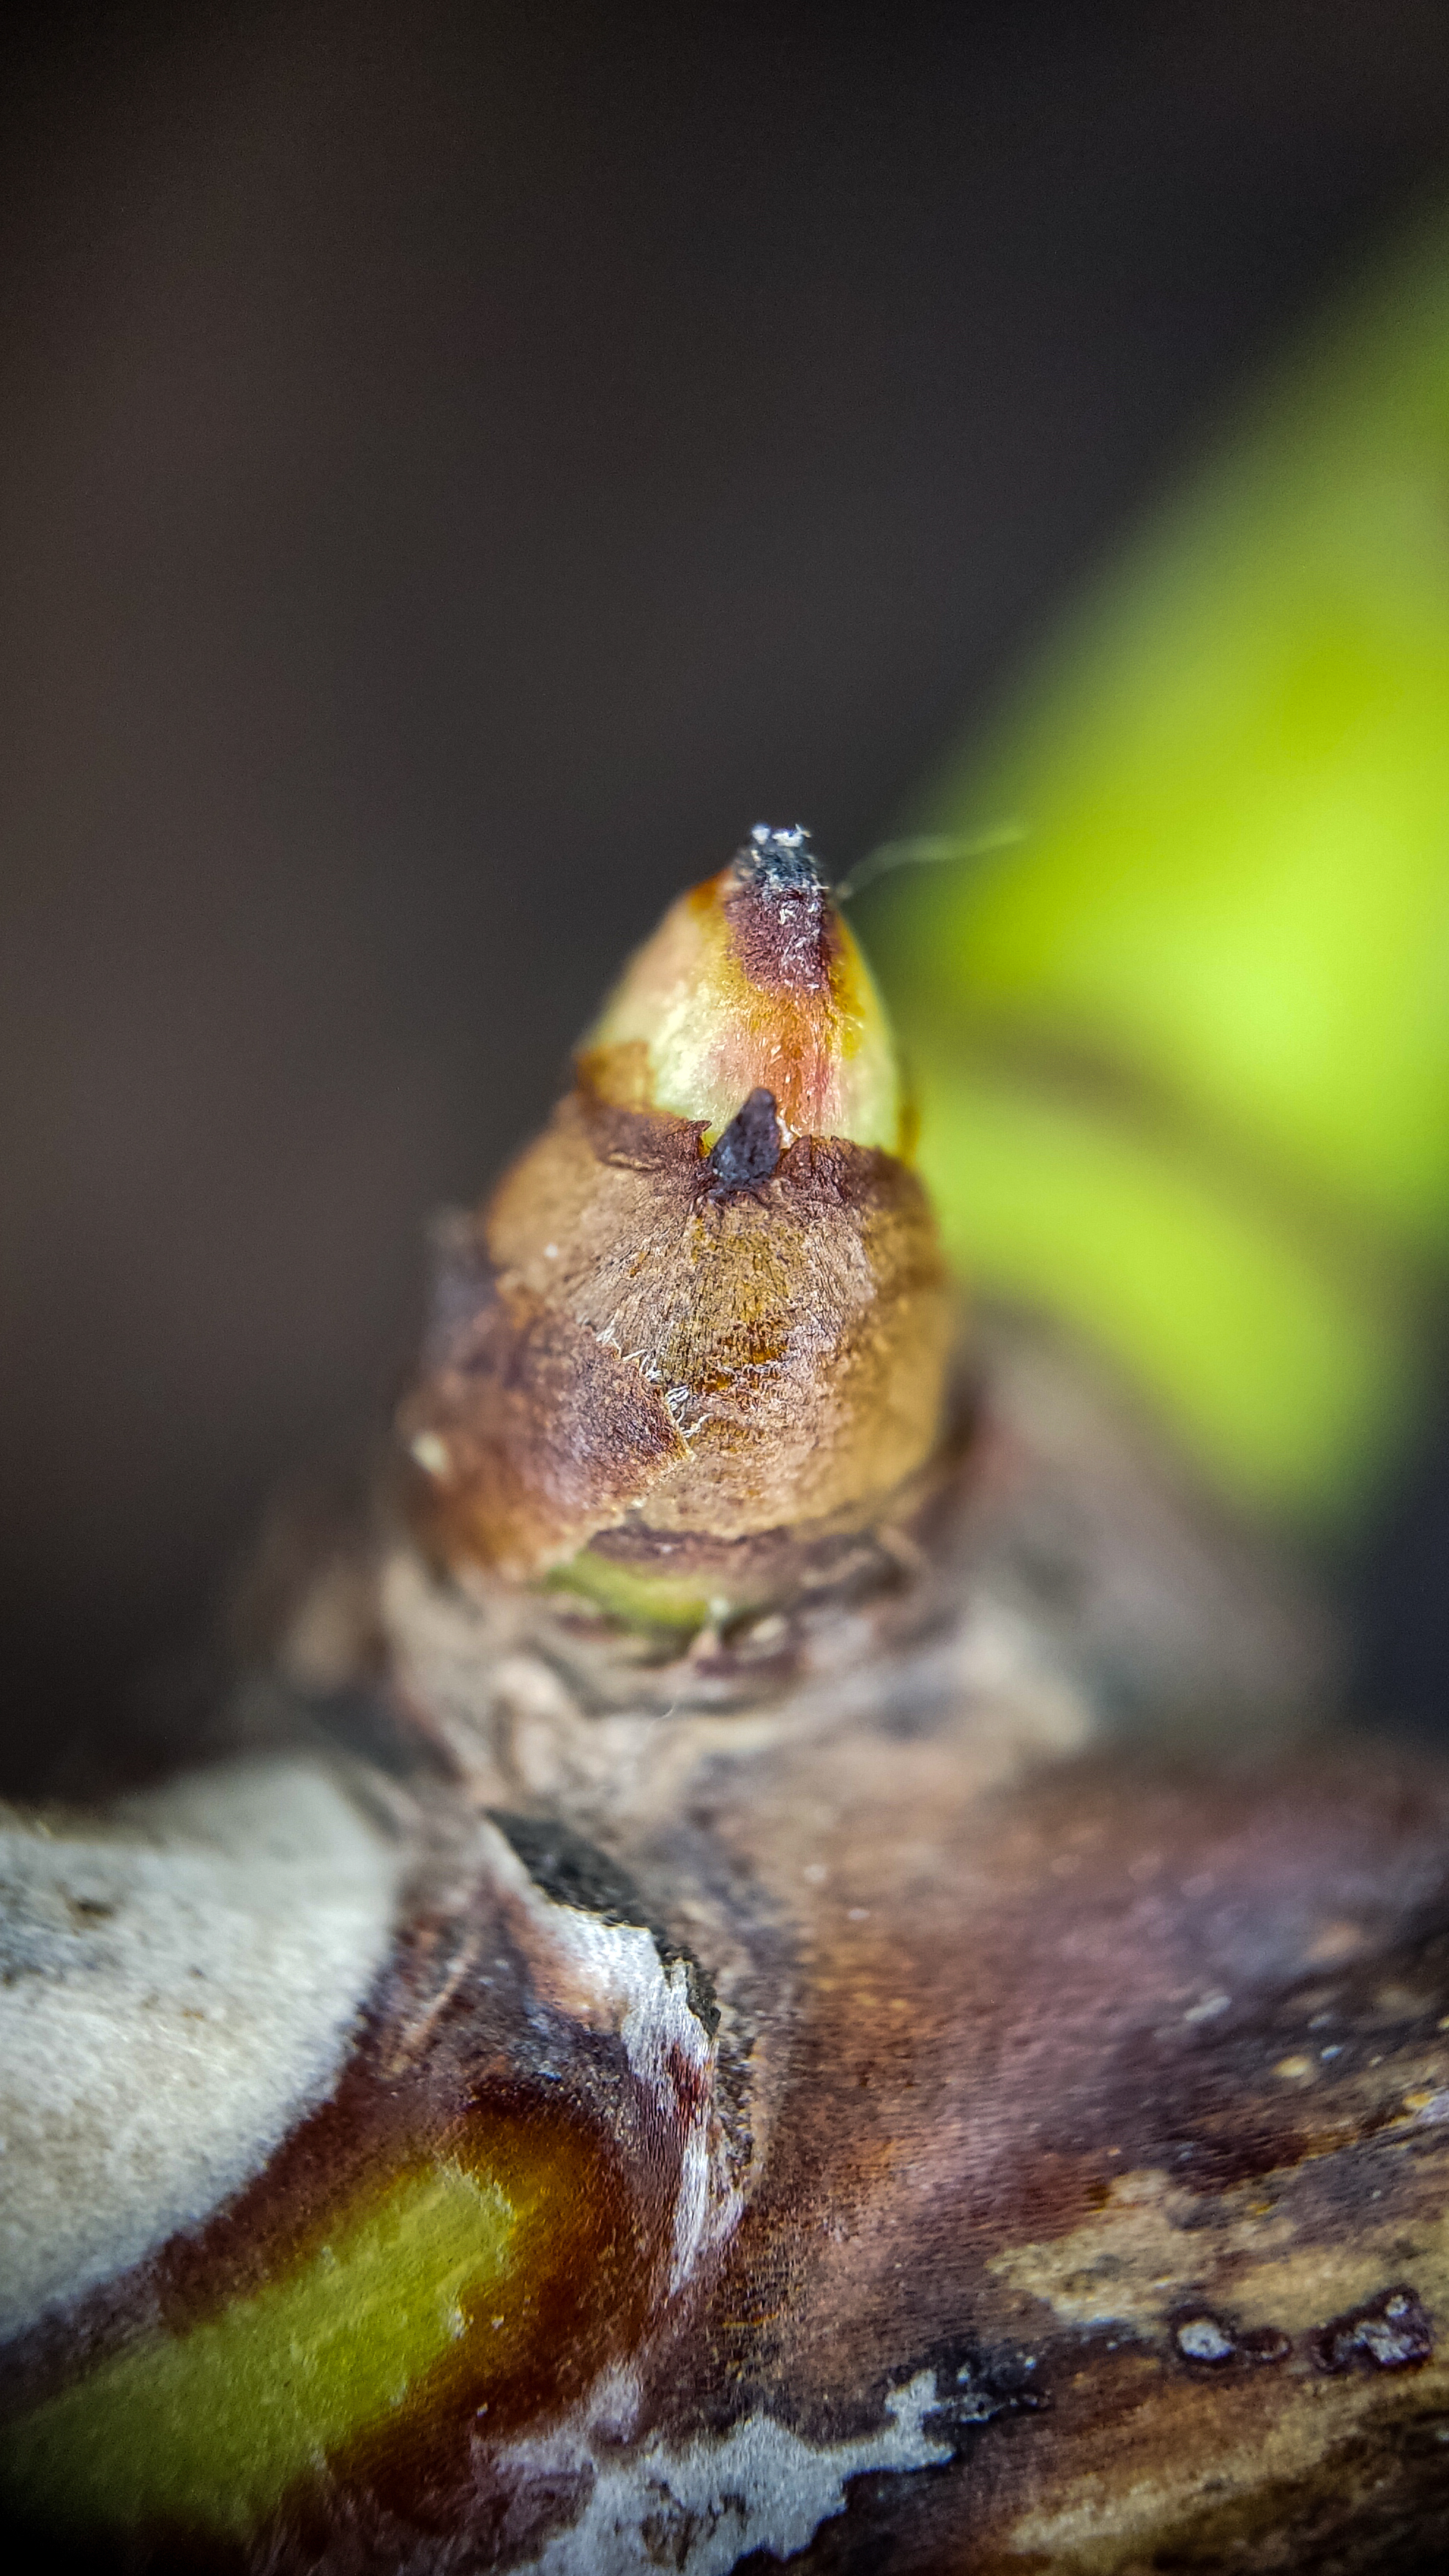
949,2078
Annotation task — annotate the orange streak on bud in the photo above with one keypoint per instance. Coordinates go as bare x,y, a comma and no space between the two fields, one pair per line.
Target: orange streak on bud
753,981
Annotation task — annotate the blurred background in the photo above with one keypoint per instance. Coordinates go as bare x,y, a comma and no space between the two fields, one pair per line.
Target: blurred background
459,467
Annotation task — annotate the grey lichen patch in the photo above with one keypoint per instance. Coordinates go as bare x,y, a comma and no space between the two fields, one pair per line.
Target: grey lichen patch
1211,2343
1392,2332
176,1987
703,2505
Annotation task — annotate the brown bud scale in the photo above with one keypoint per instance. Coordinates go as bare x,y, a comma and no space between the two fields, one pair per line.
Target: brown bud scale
622,1345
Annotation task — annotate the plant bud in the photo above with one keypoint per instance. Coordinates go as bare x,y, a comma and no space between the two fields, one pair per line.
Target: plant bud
704,1318
753,982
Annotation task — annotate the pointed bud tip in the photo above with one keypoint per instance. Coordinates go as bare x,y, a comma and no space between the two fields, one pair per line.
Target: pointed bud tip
779,862
753,982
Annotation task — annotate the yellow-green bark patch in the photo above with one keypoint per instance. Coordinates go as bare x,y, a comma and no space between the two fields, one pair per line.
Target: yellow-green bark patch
208,2429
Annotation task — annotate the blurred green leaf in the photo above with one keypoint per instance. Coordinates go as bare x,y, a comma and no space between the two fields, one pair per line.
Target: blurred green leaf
1184,1053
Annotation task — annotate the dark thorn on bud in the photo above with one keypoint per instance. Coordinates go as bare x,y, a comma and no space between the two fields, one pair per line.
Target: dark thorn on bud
779,862
749,1148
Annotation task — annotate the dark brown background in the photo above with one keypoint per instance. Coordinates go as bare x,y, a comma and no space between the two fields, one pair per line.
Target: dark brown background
459,466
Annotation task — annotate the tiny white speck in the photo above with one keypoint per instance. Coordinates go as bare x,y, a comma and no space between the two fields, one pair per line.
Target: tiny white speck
550,1252
431,1453
857,1914
816,1872
1209,2008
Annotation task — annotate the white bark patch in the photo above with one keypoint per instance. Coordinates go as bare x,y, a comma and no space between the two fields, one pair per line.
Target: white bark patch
702,2507
609,1976
178,1984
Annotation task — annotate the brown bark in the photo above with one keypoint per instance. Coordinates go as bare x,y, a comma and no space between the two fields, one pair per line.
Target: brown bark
971,2048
